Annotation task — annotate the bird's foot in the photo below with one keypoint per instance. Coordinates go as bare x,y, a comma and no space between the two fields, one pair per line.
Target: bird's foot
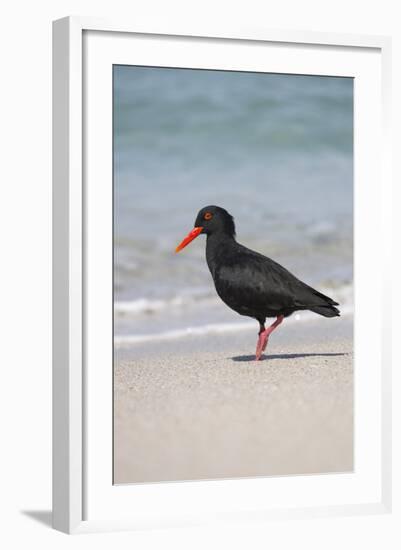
264,334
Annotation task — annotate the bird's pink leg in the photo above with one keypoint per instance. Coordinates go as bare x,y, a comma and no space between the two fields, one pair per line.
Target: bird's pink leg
264,336
260,343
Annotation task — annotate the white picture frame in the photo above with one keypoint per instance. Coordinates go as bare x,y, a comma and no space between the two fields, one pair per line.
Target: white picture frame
76,479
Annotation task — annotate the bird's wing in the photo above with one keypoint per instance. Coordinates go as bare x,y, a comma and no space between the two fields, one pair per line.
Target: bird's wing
259,282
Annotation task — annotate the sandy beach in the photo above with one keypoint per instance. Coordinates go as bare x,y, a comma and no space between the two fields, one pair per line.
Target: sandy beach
202,408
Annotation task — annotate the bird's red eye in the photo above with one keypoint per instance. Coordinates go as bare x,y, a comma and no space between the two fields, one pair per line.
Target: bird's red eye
208,216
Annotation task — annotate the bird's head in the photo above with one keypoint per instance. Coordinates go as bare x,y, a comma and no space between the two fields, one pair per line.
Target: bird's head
210,220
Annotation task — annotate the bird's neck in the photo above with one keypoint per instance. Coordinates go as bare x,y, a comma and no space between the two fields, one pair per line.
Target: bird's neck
217,245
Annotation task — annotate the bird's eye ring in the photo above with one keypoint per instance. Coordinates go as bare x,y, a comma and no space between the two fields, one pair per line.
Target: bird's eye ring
208,216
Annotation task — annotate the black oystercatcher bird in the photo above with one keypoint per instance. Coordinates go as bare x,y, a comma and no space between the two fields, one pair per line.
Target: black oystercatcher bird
248,282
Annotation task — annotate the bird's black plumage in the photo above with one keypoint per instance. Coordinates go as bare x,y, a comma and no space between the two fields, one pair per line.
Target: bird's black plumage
248,282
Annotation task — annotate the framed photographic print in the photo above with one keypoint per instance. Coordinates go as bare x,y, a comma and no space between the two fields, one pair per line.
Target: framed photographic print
219,324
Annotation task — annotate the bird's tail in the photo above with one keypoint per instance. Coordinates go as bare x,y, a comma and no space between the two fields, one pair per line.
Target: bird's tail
326,310
324,305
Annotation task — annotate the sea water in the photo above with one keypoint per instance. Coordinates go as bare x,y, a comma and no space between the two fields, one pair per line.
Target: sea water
274,150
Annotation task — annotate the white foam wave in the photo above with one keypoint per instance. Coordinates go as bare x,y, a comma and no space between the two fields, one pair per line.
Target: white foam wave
149,306
213,328
144,305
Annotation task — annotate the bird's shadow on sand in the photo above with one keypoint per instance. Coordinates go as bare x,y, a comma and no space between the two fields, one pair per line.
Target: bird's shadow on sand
251,358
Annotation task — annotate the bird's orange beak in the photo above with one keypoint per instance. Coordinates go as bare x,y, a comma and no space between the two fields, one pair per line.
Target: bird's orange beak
190,237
